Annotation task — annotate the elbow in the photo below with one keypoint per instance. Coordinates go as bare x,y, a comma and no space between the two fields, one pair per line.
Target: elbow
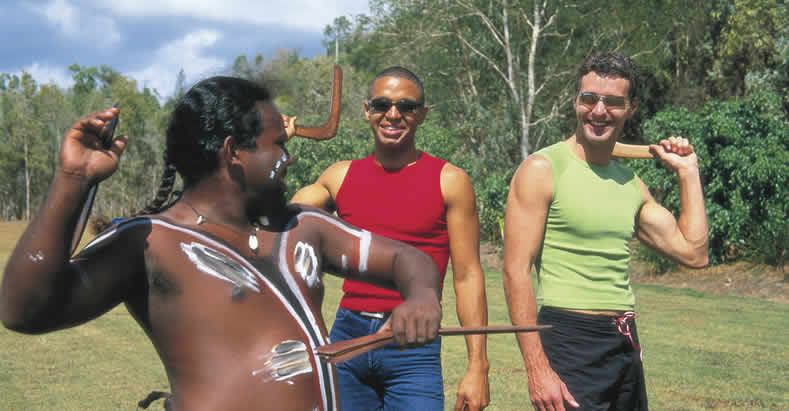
699,259
18,318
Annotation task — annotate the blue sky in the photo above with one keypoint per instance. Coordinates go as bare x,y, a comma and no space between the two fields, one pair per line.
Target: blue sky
151,40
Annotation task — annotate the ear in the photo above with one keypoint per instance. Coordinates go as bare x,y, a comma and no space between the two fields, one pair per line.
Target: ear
366,107
422,114
633,106
229,152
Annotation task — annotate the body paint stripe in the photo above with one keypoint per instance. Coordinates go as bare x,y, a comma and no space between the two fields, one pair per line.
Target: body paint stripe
365,237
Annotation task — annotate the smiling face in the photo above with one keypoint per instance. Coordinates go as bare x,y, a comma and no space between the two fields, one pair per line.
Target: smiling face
265,165
601,123
394,129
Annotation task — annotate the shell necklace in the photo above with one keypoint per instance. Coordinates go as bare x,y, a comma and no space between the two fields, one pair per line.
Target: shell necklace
253,236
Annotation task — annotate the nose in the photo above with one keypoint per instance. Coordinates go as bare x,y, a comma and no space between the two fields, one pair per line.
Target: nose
392,113
599,108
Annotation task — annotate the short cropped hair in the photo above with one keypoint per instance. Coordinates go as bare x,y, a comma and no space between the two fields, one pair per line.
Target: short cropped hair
399,72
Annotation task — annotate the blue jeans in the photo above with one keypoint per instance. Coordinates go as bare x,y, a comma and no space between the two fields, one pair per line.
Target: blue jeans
387,378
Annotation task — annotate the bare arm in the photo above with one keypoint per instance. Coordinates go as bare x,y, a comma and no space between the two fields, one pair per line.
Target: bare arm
529,198
321,194
469,283
685,239
362,256
41,289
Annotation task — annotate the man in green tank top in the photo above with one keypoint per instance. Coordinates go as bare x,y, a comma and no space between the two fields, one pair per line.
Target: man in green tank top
571,214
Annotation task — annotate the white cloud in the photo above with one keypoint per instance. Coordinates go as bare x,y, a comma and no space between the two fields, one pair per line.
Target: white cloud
80,24
187,53
49,75
307,15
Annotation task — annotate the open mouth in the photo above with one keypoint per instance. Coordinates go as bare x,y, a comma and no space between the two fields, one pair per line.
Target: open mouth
391,132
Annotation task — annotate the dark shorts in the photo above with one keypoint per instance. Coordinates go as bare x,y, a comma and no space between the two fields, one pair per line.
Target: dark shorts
601,367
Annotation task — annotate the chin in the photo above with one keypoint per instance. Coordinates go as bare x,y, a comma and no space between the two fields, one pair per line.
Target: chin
272,202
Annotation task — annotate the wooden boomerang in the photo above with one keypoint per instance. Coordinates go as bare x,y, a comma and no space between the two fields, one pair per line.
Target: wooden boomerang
633,151
106,142
342,351
329,129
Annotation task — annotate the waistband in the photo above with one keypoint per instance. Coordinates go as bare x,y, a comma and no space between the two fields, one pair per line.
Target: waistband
372,314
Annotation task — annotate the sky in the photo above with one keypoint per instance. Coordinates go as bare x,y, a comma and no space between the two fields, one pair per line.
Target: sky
152,40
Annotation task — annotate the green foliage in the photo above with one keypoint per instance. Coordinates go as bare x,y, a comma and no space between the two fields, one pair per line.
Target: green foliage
492,204
743,150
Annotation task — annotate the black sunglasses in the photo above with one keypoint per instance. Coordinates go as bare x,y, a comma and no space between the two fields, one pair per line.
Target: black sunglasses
590,100
383,104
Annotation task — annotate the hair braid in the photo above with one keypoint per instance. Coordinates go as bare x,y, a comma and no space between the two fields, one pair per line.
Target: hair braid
165,191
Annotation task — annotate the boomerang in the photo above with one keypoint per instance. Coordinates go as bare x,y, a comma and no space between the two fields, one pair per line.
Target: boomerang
106,142
633,151
343,351
329,129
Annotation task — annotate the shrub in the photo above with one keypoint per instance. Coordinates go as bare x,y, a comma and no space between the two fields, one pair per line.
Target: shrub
743,150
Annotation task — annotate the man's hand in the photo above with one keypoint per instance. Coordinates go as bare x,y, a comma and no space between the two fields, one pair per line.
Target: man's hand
289,123
473,391
548,392
82,153
415,321
676,153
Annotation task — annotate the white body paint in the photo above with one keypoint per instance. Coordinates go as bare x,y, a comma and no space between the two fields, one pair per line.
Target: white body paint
286,360
306,264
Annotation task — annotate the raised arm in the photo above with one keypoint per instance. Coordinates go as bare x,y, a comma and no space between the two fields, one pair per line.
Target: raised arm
469,282
530,195
685,239
40,285
321,194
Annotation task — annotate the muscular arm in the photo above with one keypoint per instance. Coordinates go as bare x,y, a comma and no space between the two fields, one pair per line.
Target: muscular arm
685,239
529,198
469,282
362,256
41,289
321,194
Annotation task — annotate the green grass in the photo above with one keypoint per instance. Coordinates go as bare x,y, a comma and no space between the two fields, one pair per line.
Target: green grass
701,351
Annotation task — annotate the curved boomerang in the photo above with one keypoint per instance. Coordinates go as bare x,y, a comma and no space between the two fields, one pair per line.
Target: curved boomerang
329,129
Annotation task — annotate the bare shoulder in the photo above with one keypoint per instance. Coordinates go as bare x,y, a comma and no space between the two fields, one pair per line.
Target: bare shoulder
336,172
534,169
455,183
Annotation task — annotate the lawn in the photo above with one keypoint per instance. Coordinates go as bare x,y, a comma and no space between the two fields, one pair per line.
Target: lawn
701,351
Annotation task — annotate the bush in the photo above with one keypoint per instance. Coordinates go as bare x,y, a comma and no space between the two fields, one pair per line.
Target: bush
743,149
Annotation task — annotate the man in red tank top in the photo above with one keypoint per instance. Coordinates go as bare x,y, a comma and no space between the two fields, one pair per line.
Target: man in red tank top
410,196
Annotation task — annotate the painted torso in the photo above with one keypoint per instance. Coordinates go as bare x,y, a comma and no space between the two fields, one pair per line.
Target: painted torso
234,329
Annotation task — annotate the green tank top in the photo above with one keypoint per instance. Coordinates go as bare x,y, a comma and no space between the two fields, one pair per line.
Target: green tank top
592,216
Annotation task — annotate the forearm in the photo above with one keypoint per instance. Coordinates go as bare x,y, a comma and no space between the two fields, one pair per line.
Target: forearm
692,220
415,274
472,311
523,311
30,278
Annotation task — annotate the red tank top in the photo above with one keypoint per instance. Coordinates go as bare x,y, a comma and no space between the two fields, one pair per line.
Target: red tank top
404,205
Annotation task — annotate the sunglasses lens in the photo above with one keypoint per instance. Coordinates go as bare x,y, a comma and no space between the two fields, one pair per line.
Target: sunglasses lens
380,105
615,101
588,99
406,106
